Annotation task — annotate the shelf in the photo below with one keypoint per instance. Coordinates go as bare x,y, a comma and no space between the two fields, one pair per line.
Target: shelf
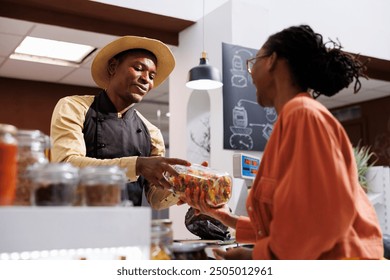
375,198
46,228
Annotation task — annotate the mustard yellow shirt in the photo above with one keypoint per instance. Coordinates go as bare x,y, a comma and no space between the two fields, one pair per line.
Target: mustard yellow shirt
68,145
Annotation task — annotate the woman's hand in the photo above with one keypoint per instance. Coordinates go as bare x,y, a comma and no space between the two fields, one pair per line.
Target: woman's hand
196,198
233,254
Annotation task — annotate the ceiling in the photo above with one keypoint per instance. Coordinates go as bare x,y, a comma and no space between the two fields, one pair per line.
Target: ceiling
64,20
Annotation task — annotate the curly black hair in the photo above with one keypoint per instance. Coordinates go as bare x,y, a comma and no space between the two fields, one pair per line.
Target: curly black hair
322,67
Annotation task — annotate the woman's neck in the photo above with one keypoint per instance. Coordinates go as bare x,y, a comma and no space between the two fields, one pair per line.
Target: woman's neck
284,96
285,87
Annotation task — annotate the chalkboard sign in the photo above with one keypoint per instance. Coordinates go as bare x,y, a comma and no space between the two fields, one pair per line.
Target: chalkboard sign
247,125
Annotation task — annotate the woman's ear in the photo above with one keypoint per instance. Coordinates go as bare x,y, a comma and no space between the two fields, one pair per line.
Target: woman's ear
272,61
111,68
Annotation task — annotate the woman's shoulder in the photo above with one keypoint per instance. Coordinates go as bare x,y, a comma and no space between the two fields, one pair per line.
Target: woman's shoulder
304,103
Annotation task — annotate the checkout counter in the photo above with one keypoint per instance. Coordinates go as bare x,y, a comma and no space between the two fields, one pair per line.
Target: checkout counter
75,233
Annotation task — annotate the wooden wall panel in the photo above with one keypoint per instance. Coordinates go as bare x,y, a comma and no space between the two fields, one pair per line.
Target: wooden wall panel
29,104
371,127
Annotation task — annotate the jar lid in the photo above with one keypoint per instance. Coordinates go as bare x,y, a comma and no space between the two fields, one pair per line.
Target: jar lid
36,137
55,172
8,128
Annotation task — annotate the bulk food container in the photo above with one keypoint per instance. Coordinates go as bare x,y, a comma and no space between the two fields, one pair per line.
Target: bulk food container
161,240
54,184
216,184
32,145
8,163
101,186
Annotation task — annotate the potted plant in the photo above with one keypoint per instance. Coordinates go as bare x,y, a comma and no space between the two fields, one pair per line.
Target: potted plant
363,156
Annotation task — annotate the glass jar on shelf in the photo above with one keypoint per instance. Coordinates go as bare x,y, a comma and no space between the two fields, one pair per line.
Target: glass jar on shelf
8,163
54,184
101,186
161,240
32,145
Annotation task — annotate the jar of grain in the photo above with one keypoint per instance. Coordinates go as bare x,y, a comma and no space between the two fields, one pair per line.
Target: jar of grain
8,163
32,145
54,184
161,240
101,186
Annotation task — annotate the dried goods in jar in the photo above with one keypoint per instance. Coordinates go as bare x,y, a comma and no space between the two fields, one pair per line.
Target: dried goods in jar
216,184
8,163
102,195
161,240
31,151
56,194
54,184
101,185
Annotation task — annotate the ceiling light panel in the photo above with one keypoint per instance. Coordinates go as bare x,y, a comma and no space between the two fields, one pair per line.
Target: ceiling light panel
51,50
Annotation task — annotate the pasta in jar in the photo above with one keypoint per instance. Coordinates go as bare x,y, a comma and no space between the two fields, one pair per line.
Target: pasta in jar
216,184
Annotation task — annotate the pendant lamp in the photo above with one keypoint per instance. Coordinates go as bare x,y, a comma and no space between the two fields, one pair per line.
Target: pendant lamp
204,76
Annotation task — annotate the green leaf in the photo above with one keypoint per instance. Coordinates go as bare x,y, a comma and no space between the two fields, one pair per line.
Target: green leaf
363,155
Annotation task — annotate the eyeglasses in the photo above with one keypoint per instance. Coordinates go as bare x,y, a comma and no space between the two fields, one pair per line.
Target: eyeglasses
250,62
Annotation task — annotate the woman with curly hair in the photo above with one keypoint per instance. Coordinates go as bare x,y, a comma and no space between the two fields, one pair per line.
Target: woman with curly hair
306,201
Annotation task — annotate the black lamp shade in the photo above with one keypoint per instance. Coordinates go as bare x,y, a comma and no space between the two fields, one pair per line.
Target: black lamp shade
204,76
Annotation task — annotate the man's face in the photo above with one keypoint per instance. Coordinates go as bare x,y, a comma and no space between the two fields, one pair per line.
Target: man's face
133,76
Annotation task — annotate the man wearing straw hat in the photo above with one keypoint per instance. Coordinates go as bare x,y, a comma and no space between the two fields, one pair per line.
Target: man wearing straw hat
107,130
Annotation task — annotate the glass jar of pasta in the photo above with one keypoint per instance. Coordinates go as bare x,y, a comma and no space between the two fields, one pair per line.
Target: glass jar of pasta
216,184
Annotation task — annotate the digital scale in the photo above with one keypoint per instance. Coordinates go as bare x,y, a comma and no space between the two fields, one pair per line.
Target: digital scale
244,172
245,166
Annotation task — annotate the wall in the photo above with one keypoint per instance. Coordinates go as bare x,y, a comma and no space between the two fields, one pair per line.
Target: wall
219,27
356,23
224,24
368,125
29,104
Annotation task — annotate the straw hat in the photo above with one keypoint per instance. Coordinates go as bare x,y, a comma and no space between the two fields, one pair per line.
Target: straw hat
165,58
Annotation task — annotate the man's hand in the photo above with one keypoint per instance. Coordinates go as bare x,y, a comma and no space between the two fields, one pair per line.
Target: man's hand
153,169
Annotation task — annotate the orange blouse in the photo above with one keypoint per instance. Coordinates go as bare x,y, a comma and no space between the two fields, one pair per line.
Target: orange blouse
306,201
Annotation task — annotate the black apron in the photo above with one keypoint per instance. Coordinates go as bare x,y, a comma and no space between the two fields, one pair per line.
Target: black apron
106,137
